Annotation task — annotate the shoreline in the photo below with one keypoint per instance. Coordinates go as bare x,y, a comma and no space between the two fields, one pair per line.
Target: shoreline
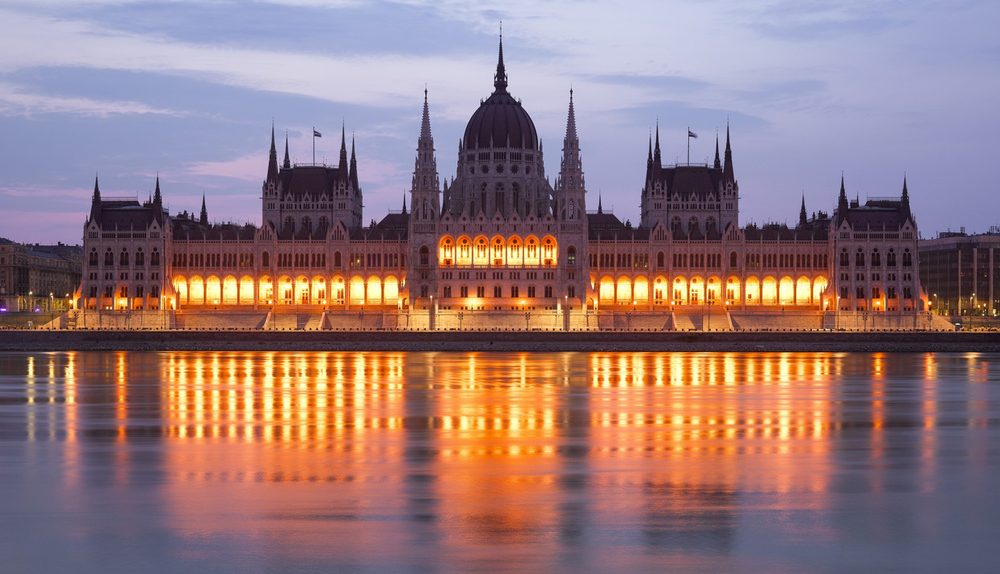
543,341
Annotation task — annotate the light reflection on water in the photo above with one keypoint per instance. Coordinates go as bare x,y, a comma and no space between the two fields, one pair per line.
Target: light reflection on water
456,462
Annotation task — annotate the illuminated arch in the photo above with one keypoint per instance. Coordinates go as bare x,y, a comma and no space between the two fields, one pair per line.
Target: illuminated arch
713,290
446,251
732,290
301,295
803,291
318,292
230,291
531,251
660,289
338,290
606,291
180,289
640,290
498,251
391,290
213,290
265,290
463,251
786,291
246,290
373,295
819,289
481,251
550,251
769,291
285,290
357,290
679,294
752,288
623,294
515,251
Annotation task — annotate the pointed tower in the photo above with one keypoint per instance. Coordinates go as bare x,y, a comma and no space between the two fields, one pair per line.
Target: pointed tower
904,201
570,189
203,218
353,174
95,202
288,162
842,204
157,201
802,211
656,149
718,162
728,176
343,150
424,214
729,194
272,162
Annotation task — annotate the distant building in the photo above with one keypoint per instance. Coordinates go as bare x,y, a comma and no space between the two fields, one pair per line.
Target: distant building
38,277
501,246
961,272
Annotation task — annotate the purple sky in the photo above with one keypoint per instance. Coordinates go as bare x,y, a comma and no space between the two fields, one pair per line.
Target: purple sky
129,89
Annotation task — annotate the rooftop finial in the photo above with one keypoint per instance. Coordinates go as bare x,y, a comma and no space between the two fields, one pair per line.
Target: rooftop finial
500,79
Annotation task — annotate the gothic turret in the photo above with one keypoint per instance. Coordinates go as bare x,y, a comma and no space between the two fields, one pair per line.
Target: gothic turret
343,150
272,162
203,218
95,202
656,149
802,211
727,168
718,162
287,163
425,184
353,174
570,188
904,201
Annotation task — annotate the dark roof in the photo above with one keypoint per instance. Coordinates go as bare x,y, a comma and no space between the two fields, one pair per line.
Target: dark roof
312,179
394,226
185,228
687,179
126,214
500,121
877,214
607,226
818,230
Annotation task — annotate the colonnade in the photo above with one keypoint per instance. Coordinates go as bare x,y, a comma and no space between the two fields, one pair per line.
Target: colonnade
286,290
640,290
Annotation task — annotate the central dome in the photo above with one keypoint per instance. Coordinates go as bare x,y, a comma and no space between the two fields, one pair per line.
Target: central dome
500,121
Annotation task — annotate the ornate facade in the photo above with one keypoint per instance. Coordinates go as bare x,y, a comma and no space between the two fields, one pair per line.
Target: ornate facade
497,246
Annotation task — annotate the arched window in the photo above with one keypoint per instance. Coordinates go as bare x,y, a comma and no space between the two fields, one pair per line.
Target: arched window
876,259
336,259
571,255
123,258
859,258
675,223
307,224
93,258
732,260
692,224
154,258
109,257
265,259
324,222
845,259
290,224
424,255
710,225
659,259
890,259
140,258
907,258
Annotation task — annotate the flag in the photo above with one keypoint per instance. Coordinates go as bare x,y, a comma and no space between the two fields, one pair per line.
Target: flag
316,134
691,134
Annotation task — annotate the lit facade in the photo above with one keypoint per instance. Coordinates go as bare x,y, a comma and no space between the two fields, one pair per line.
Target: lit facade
496,246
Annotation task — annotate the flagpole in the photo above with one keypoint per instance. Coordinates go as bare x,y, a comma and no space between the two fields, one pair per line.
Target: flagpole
689,144
314,145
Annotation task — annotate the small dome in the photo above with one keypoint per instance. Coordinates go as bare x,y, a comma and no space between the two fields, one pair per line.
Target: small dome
500,121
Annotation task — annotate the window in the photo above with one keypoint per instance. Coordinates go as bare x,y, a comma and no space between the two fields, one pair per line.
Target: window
844,258
265,259
514,291
907,259
497,291
109,258
123,258
93,258
140,258
548,290
859,258
732,260
659,259
463,291
480,291
876,259
571,255
531,290
424,255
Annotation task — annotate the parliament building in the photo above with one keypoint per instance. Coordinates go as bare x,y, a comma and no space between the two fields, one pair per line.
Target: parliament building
498,245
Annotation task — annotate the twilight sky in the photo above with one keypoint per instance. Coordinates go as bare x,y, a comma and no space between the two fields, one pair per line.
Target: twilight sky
129,89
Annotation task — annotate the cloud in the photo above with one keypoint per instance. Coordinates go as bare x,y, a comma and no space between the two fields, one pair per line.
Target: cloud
244,168
15,100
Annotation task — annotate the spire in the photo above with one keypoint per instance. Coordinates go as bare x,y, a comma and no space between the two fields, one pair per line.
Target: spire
203,219
288,163
500,79
718,163
157,198
571,120
656,148
425,121
802,211
600,207
343,148
404,203
97,190
727,169
649,158
95,203
905,199
272,163
354,166
842,205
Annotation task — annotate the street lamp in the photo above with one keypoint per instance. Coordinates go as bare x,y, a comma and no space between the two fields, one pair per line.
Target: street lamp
52,311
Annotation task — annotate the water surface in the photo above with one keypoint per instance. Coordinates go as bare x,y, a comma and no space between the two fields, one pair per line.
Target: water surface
447,462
